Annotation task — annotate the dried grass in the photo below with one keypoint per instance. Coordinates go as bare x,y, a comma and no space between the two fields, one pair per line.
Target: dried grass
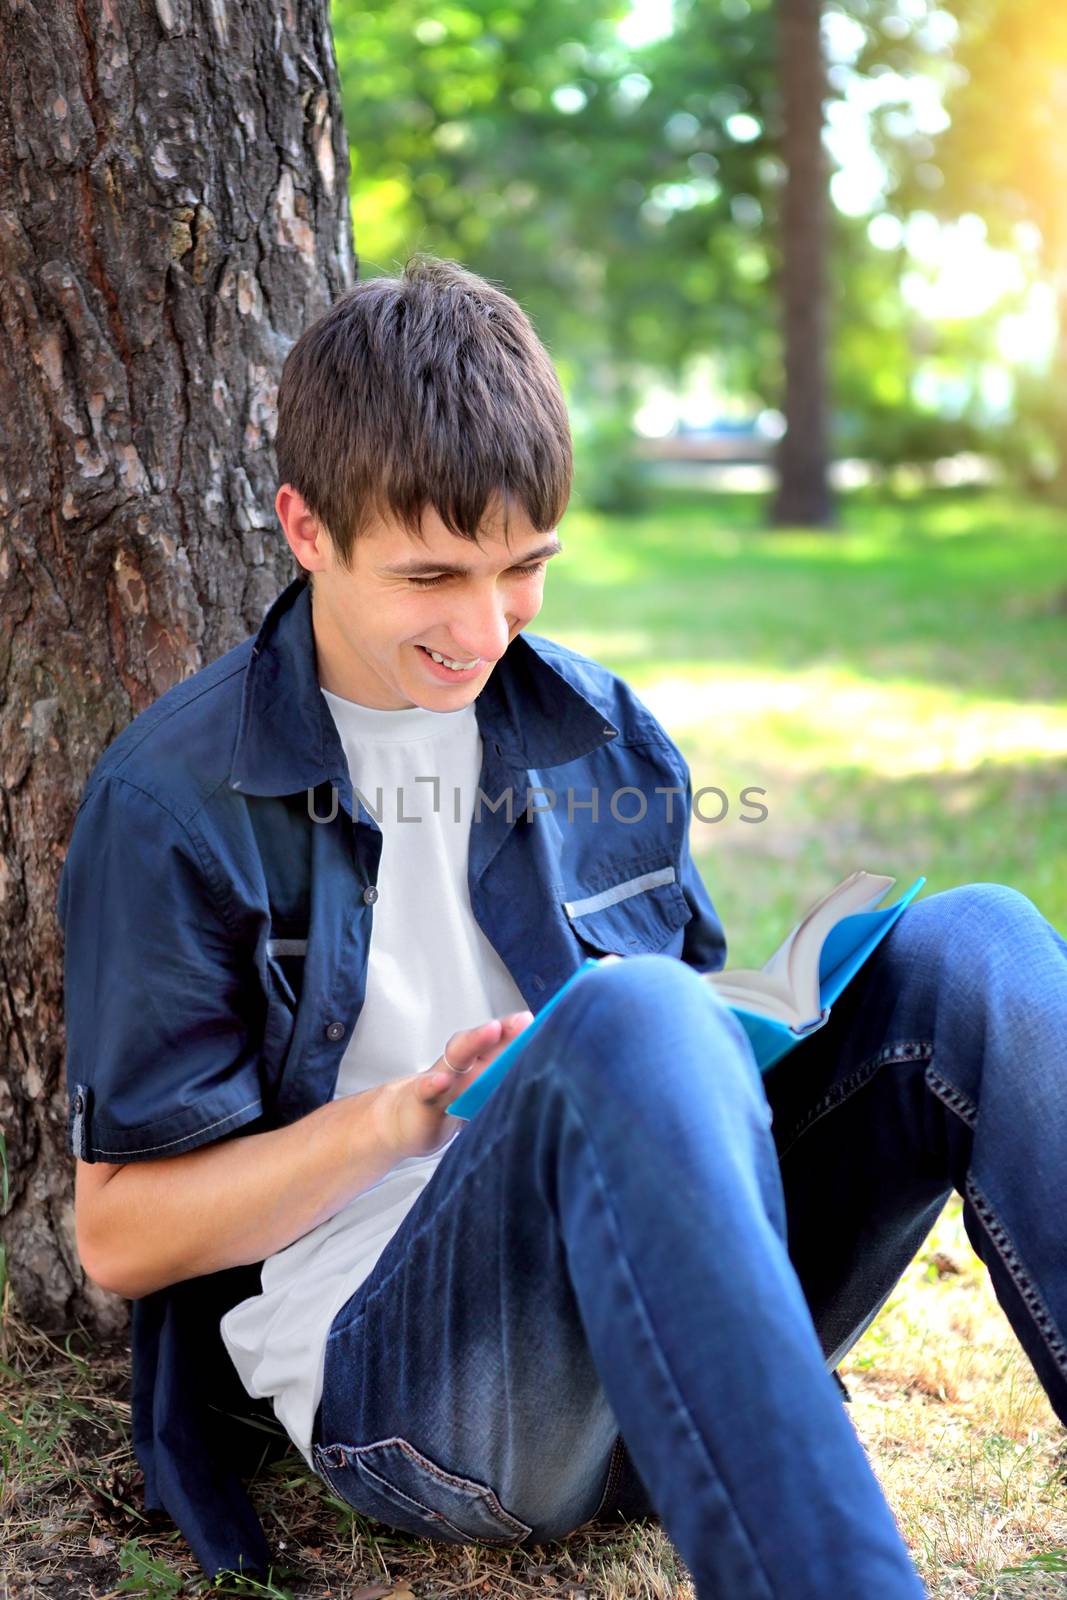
970,1455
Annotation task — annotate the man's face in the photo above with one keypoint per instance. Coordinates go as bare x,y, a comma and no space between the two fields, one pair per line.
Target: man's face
376,624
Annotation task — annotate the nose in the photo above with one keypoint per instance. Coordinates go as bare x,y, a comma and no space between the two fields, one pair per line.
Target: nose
481,627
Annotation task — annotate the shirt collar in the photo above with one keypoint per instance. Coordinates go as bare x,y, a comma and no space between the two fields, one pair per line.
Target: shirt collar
287,739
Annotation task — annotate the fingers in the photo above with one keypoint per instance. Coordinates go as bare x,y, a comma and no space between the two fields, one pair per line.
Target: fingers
488,1048
461,1054
465,1049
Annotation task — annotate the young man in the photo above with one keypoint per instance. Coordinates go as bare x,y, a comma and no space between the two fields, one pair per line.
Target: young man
315,889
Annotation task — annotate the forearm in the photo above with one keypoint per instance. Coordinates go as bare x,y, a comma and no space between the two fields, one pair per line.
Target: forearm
234,1202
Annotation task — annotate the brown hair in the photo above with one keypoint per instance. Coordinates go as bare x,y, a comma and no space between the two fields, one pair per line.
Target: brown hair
431,389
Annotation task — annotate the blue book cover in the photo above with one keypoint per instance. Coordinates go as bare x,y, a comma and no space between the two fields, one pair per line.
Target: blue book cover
844,949
474,1098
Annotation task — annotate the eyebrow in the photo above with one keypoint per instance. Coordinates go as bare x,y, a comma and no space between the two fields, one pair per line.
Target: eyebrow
426,569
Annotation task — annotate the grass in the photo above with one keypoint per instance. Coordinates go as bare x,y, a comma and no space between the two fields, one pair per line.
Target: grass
898,690
967,1449
971,1458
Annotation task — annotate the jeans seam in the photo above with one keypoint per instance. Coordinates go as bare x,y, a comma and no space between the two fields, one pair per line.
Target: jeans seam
523,1531
432,1517
451,1480
889,1055
1031,1298
965,1108
614,1471
961,1104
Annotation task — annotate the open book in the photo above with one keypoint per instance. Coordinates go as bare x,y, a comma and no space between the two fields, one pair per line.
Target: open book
778,1004
790,996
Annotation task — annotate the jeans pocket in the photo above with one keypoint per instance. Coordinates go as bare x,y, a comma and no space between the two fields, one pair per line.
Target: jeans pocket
392,1482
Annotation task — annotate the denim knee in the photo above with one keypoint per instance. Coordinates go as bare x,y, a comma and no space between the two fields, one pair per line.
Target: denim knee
958,927
648,1007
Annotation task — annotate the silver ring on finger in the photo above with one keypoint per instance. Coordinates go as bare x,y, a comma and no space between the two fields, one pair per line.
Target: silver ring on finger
457,1070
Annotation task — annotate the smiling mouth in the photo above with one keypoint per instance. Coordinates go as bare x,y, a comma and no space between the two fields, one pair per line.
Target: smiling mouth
450,661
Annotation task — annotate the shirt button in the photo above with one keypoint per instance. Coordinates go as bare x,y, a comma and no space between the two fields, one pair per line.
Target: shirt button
538,982
370,894
79,1103
335,1031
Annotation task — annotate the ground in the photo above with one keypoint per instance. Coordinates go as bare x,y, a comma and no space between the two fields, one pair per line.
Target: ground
970,1455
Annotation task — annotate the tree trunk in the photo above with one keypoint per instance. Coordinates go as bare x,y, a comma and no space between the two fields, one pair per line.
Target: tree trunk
173,211
803,496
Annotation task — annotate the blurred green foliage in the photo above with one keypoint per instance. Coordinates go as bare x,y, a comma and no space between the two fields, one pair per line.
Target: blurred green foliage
628,195
895,686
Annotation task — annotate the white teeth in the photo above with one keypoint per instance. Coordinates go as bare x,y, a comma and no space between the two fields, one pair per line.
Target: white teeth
457,666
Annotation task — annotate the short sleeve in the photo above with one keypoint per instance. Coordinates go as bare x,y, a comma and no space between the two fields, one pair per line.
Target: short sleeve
163,1014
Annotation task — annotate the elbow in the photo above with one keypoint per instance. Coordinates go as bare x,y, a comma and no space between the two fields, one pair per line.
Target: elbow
125,1278
110,1274
99,1274
117,1283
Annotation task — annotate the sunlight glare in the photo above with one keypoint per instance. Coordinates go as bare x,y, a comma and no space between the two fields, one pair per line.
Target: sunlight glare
648,21
836,719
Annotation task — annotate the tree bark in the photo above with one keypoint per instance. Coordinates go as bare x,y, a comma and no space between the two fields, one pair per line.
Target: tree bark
803,497
173,211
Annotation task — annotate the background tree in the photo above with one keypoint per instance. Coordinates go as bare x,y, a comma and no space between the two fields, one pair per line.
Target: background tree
614,188
803,485
173,210
631,192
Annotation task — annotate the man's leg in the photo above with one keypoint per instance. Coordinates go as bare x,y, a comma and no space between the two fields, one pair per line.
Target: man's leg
943,1066
603,1249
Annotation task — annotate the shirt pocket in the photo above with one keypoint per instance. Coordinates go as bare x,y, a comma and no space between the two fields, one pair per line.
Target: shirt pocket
285,968
392,1482
634,908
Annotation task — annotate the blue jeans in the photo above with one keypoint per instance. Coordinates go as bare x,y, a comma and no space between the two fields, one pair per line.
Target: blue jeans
640,1239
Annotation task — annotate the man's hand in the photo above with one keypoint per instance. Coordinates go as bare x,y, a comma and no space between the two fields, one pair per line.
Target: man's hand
409,1113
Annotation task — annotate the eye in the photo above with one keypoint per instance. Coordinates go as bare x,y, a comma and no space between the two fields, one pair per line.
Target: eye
523,572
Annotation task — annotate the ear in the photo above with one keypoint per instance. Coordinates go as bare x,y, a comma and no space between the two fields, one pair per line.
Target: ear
307,536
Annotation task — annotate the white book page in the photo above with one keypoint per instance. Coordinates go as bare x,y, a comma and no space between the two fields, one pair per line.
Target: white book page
806,950
786,987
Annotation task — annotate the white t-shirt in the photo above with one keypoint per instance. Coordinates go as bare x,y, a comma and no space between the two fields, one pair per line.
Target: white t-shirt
431,971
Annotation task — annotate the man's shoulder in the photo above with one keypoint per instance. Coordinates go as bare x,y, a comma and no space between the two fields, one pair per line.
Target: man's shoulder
179,749
604,688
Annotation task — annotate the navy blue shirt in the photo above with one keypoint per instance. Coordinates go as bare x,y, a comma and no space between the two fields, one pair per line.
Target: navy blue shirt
217,905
